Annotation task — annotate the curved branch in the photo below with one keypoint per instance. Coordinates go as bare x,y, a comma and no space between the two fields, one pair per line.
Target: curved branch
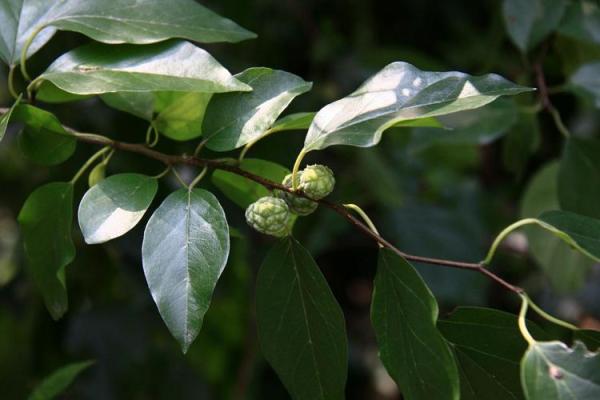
232,166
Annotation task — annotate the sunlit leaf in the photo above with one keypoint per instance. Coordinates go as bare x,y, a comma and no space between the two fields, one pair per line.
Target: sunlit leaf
114,206
552,371
184,252
235,119
167,66
401,92
117,21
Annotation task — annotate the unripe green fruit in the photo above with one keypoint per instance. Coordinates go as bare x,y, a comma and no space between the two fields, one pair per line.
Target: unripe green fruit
317,181
298,205
269,215
97,174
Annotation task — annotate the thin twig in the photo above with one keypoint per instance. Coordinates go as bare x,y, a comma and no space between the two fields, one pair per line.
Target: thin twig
546,102
227,165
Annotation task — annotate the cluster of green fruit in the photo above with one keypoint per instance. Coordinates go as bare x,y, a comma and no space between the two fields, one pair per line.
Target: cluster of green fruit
272,215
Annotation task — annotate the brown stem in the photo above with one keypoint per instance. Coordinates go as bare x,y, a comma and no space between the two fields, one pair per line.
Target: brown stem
228,165
545,99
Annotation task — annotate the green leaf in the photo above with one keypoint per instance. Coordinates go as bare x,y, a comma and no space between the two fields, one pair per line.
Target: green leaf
579,177
565,267
43,139
167,66
582,21
140,104
46,219
243,191
585,80
58,381
552,371
120,21
429,122
297,121
404,314
235,119
481,126
185,249
301,327
182,115
582,232
528,22
589,337
5,118
488,347
114,206
398,93
177,115
521,142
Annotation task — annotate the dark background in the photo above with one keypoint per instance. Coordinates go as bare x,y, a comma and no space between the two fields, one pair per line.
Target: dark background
444,201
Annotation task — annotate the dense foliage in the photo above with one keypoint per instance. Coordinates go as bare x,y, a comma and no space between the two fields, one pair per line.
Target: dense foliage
175,106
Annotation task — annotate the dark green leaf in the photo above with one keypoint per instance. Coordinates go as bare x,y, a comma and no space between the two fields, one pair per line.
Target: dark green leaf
585,80
114,206
552,371
46,219
488,347
297,121
398,93
167,66
242,191
579,177
529,21
301,327
582,21
521,143
404,314
57,382
5,118
589,337
185,249
565,267
583,232
43,139
235,119
117,21
481,126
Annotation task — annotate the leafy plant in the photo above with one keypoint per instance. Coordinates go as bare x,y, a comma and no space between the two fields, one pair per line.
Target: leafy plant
141,62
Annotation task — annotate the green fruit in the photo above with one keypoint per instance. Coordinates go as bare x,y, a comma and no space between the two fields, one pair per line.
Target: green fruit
269,215
97,174
298,205
317,181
